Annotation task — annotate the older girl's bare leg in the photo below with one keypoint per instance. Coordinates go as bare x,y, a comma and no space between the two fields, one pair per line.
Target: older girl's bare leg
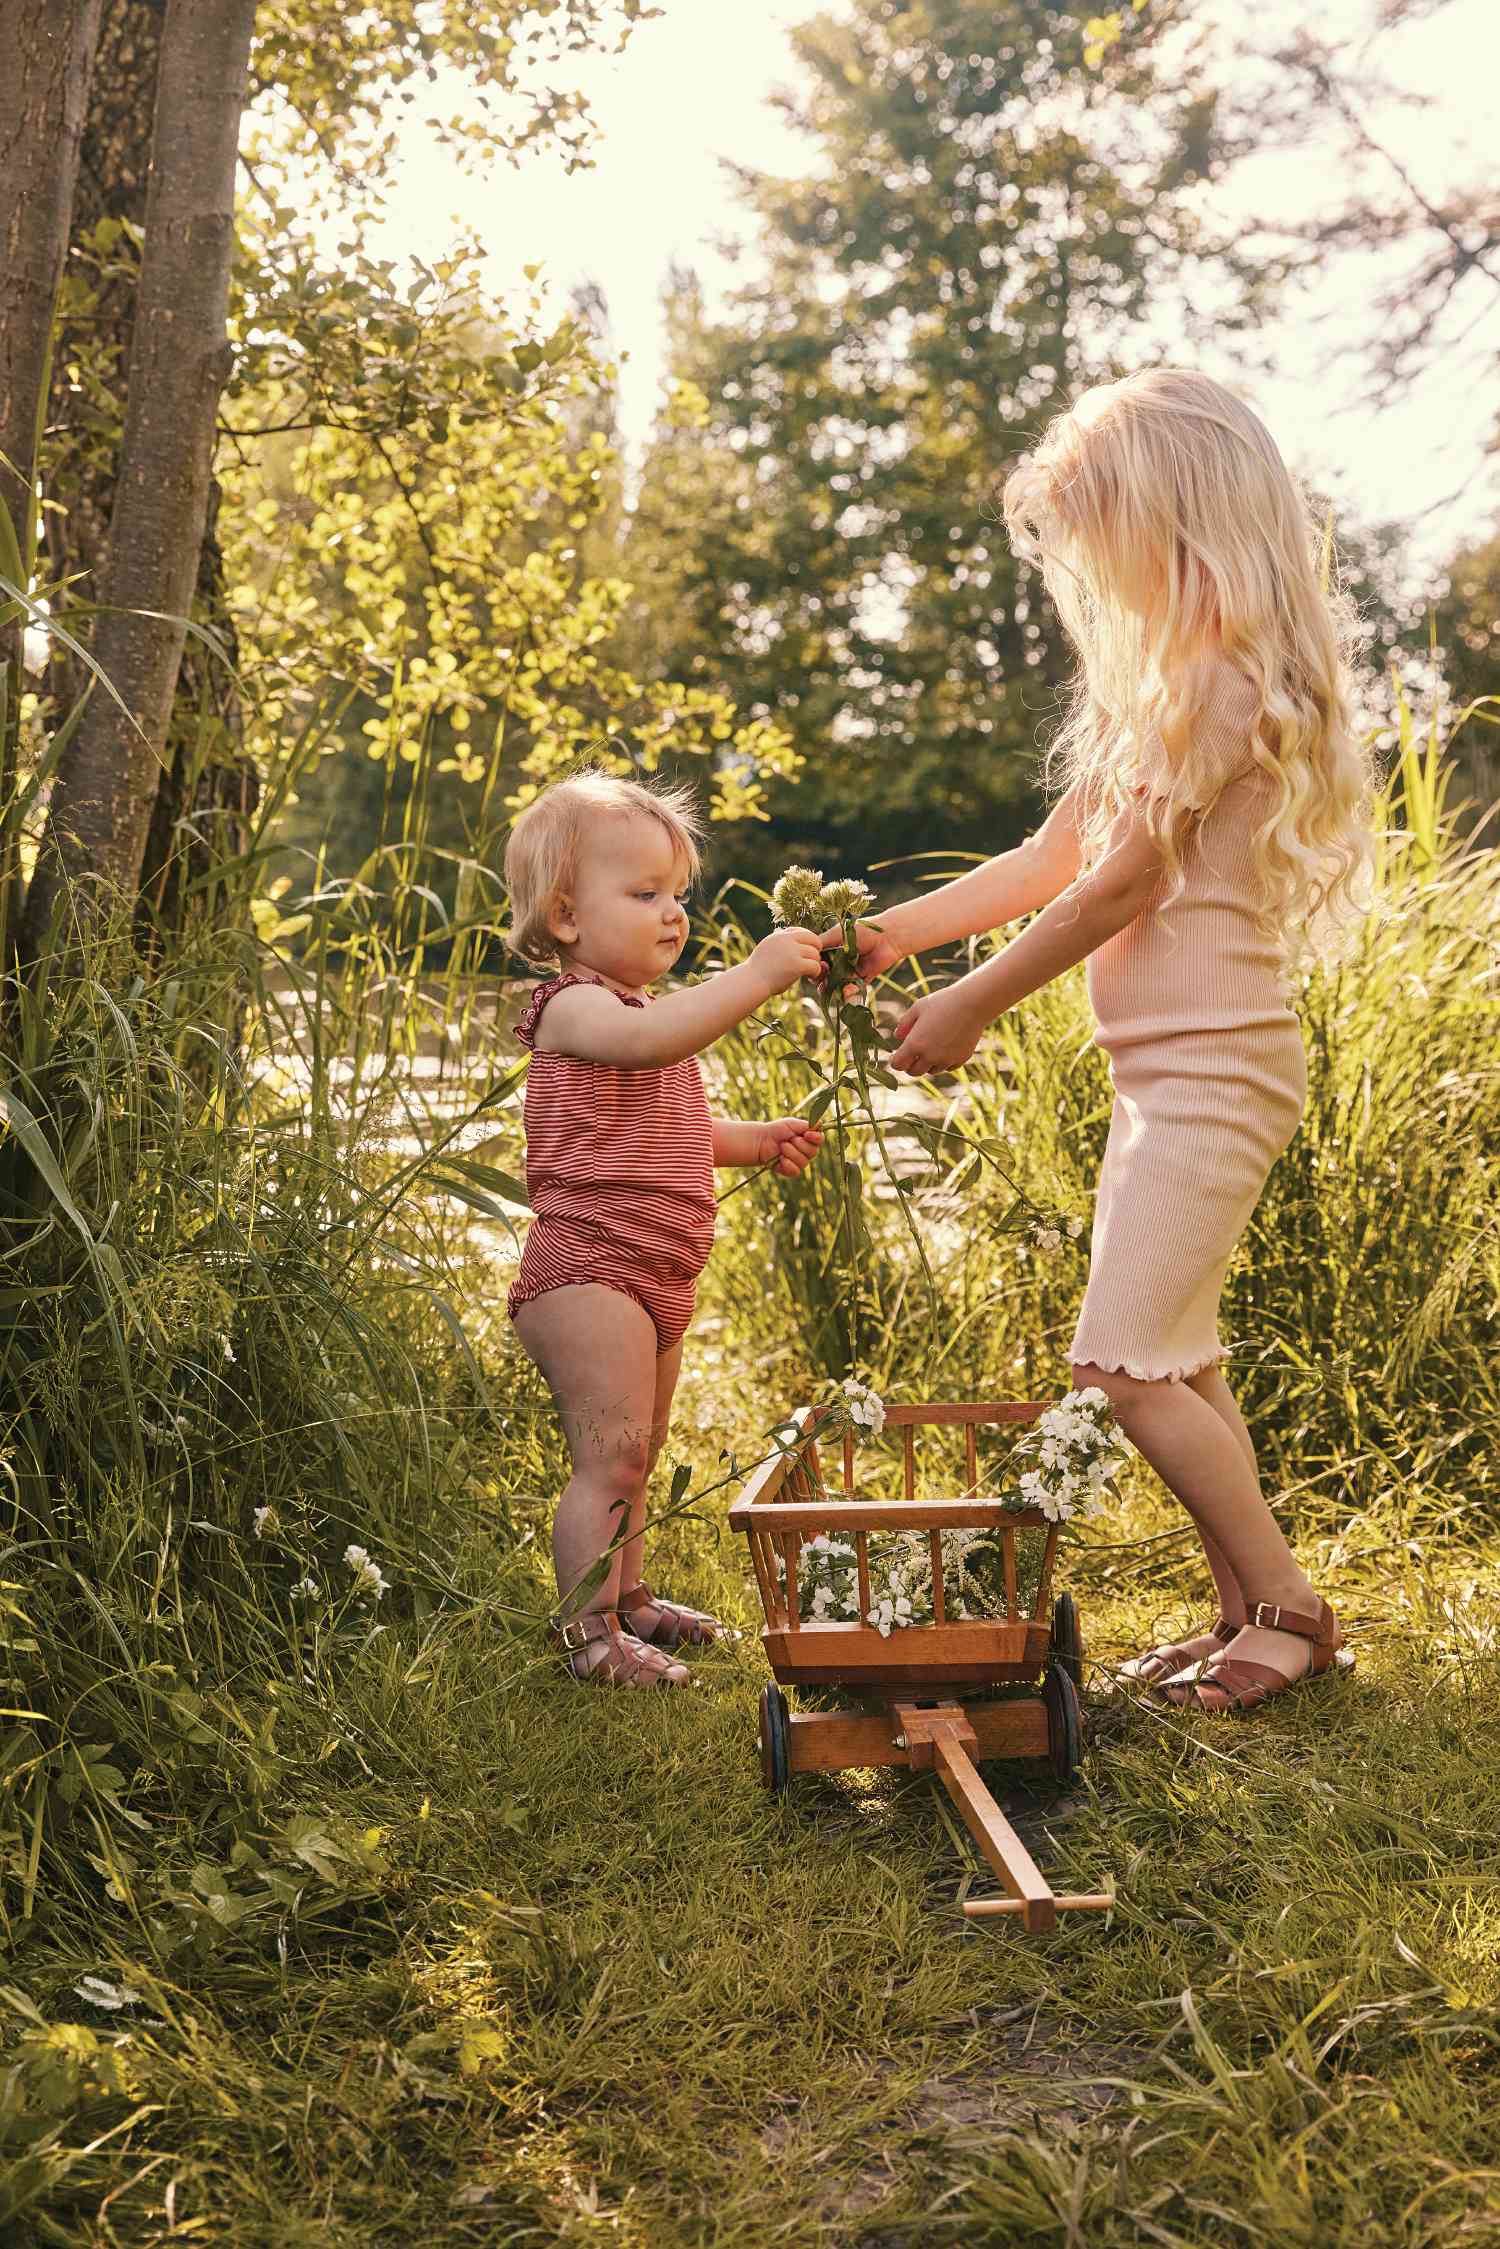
1203,1463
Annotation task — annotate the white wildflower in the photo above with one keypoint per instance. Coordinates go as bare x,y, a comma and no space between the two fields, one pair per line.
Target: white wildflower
368,1577
265,1520
1077,1451
308,1588
795,895
846,899
864,1408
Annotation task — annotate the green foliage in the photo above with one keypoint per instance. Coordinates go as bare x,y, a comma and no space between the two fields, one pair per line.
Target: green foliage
982,232
411,527
338,77
312,1920
417,472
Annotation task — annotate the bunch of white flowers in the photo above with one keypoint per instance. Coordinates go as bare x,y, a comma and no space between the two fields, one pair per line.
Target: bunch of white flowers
864,1409
368,1576
1077,1449
803,900
900,1571
827,1581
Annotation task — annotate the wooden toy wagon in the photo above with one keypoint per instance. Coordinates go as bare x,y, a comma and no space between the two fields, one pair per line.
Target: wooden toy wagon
928,1689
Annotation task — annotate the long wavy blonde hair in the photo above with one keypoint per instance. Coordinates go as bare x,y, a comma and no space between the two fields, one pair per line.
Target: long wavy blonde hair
1174,542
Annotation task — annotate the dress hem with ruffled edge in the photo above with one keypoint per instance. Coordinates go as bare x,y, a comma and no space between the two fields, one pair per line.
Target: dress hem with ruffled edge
1148,1374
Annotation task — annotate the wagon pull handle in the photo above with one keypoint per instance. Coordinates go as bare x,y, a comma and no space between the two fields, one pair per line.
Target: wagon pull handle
977,1909
941,1739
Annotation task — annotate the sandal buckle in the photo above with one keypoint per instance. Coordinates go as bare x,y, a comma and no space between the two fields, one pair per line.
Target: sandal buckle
1266,1616
566,1632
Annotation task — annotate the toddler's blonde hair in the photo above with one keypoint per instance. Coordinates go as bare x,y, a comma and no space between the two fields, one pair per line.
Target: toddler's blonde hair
541,854
1172,539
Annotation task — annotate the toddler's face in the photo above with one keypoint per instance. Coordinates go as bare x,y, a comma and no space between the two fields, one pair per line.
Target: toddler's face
625,917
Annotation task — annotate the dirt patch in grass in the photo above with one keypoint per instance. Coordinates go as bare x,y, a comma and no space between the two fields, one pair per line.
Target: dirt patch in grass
1027,2069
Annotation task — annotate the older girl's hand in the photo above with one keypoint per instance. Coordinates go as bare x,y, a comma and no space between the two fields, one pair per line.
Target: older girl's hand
877,952
937,1034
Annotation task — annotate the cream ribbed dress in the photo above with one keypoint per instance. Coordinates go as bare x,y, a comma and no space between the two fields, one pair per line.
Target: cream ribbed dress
1209,1078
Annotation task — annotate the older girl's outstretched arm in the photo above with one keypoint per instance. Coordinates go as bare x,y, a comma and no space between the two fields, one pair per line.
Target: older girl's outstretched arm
942,1031
1011,884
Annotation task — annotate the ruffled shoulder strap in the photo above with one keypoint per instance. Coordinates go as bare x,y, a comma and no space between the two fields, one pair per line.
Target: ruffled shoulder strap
531,1014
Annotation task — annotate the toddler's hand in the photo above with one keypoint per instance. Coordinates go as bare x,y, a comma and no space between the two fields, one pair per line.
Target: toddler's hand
786,956
790,1143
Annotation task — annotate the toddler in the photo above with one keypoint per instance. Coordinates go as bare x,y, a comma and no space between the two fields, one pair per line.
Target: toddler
620,1157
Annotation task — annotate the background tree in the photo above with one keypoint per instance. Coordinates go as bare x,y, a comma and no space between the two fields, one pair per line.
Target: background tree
350,371
51,54
817,523
41,124
106,778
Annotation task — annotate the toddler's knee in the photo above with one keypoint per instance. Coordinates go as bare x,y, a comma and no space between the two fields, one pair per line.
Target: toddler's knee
621,1475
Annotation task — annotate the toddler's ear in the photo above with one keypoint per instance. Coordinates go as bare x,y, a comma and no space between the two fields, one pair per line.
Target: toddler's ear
560,922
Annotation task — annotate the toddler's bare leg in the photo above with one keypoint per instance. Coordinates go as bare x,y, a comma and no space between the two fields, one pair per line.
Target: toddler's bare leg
597,1350
1203,1463
668,1367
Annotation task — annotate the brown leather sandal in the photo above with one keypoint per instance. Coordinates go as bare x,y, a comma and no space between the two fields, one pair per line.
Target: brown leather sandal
625,1660
674,1626
1172,1655
1235,1686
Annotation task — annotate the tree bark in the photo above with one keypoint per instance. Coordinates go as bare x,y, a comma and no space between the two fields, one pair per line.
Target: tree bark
49,49
114,169
200,820
107,780
209,786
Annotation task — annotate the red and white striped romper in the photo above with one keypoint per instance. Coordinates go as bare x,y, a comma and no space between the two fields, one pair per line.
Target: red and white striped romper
620,1171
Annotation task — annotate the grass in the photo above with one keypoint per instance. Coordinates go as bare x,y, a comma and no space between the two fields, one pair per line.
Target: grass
335,1922
599,1986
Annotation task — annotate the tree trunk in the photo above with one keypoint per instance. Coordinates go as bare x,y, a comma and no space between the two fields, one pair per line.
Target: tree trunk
107,780
49,51
114,169
200,821
209,786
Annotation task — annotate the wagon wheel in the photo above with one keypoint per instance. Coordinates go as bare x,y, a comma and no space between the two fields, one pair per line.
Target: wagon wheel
1067,1640
775,1746
1064,1720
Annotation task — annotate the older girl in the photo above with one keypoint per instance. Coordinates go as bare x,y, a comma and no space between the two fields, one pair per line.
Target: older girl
1215,807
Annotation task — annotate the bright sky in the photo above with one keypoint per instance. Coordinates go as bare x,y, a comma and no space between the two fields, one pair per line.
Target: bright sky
692,88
